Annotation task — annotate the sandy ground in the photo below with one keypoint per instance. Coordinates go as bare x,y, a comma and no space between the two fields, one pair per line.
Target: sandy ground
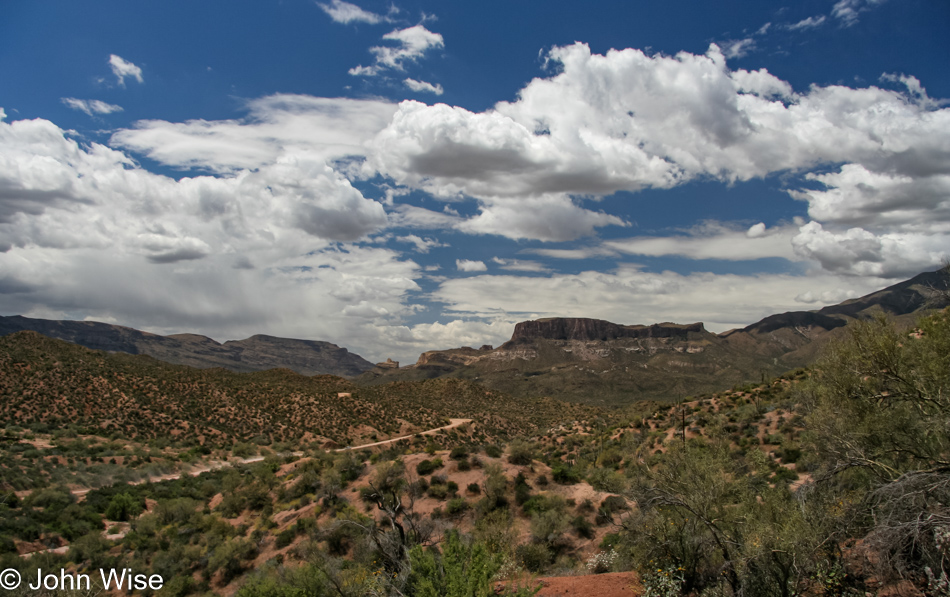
614,584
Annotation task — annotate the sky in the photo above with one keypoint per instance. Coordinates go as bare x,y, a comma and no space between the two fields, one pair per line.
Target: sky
403,176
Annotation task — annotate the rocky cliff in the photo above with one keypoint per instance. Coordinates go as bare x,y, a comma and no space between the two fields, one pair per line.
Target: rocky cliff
600,362
591,330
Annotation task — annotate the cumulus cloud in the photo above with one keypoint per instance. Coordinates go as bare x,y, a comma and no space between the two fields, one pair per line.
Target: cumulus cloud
715,241
344,12
627,121
90,107
280,124
466,265
55,192
423,87
547,218
122,68
422,244
411,44
858,252
86,230
629,295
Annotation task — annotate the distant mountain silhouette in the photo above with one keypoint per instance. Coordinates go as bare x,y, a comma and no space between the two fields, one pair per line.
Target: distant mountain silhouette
257,353
599,362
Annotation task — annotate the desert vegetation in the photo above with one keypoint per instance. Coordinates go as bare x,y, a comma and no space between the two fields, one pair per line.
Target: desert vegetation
830,480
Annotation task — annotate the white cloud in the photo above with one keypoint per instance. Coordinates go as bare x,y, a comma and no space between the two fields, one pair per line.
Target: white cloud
282,124
848,11
826,297
630,296
423,87
122,68
520,265
574,254
57,193
738,48
626,121
854,195
547,218
84,230
715,241
809,23
90,107
410,216
412,44
466,265
858,252
422,244
344,12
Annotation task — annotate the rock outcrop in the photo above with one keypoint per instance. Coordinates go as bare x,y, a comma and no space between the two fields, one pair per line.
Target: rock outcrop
592,330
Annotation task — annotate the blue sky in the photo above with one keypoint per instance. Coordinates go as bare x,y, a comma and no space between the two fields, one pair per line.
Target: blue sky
404,176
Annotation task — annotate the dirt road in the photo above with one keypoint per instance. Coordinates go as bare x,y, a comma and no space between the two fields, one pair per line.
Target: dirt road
452,424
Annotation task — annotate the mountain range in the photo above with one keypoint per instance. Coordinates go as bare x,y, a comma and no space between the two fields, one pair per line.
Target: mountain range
257,353
603,363
576,359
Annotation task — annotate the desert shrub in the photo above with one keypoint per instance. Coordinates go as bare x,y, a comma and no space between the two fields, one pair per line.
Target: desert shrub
418,488
459,452
784,475
123,506
606,480
456,506
522,489
493,451
461,570
230,558
535,557
582,527
548,527
520,453
496,484
90,550
565,474
474,488
285,538
438,491
464,465
427,467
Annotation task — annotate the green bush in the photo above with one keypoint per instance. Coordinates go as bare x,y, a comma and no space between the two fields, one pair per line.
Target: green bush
533,556
493,451
582,527
285,538
438,492
123,506
565,474
456,506
520,453
427,467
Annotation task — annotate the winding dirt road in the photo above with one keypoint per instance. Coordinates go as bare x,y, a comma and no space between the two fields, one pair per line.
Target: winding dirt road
452,424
